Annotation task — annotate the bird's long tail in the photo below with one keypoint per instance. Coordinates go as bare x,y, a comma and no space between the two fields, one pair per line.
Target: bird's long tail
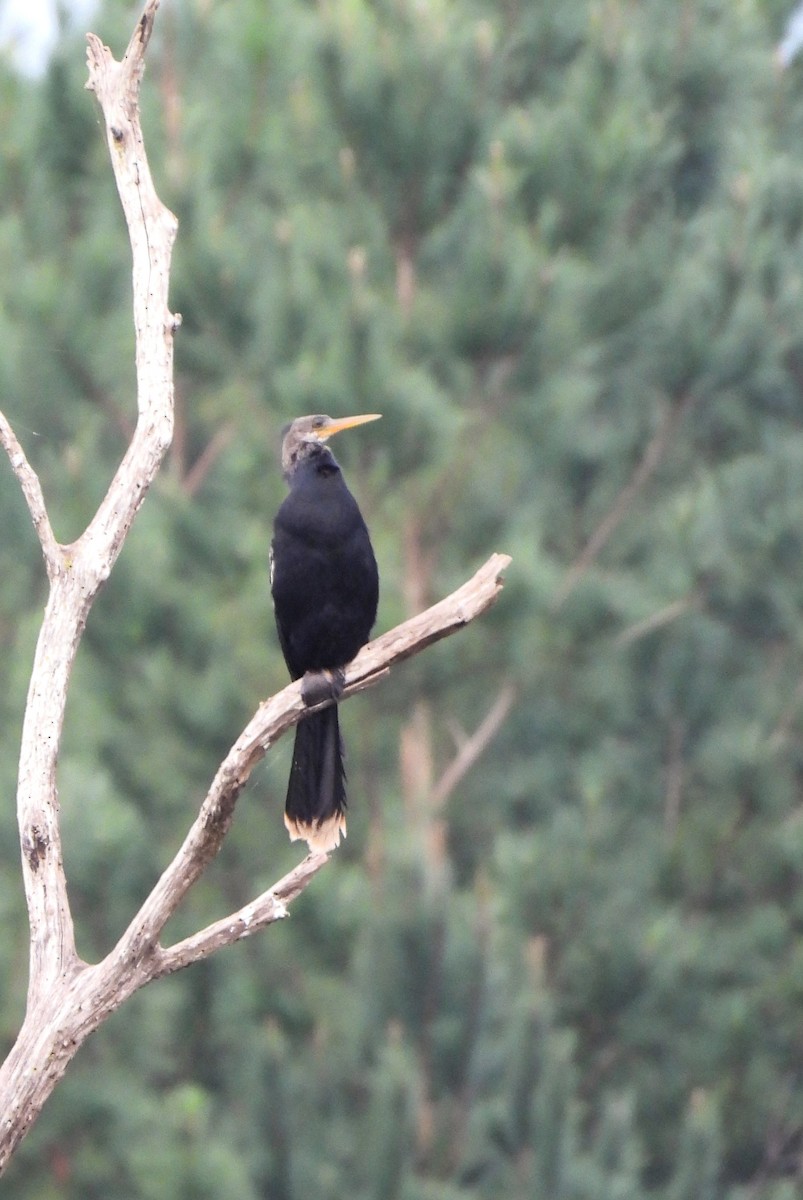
315,810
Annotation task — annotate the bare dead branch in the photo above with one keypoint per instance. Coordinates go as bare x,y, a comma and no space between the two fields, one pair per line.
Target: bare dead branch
56,975
67,998
654,453
32,491
78,571
657,620
152,231
203,464
275,717
263,911
85,996
473,746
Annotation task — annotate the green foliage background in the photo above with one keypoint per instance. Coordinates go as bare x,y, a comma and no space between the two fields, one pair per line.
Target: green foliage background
560,248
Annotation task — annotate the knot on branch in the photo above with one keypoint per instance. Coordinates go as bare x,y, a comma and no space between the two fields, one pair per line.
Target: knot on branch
34,846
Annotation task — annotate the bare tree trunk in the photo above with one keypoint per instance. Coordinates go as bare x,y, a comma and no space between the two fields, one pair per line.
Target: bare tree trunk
68,998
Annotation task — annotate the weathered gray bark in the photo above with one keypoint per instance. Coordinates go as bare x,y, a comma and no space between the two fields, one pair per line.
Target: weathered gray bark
68,998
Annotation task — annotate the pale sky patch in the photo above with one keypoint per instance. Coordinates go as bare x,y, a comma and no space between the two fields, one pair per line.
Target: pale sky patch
28,29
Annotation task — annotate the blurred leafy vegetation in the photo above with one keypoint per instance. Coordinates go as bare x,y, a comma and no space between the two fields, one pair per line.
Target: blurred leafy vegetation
560,248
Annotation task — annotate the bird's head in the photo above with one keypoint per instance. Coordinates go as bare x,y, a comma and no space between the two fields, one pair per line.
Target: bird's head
306,432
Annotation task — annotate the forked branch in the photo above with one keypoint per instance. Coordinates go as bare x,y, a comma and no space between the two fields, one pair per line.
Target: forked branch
32,491
274,718
67,998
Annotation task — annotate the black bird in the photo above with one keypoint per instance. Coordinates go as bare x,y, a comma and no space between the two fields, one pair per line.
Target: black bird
325,589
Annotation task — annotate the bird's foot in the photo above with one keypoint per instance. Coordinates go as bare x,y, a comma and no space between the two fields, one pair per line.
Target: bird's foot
317,686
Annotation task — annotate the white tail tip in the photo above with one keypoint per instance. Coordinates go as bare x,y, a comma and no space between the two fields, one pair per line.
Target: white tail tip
321,838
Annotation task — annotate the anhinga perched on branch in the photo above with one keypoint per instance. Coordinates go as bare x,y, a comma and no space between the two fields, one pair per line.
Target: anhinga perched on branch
325,589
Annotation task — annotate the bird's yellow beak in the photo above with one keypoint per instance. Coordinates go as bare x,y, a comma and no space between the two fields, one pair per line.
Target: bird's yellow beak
337,426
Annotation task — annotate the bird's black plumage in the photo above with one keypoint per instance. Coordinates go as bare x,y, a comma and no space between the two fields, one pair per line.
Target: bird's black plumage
325,588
